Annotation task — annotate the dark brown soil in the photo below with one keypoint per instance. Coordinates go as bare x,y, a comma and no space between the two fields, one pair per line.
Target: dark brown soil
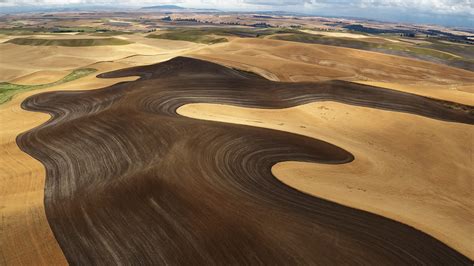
131,182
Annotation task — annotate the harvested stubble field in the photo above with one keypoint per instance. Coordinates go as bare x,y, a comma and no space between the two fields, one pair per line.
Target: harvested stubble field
177,208
260,144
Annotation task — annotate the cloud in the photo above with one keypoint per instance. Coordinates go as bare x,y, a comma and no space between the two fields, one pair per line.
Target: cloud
430,6
351,7
435,6
278,3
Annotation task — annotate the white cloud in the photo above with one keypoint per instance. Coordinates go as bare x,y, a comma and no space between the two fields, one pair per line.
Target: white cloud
435,6
453,7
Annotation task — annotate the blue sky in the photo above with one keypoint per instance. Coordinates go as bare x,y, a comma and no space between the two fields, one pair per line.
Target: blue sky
446,12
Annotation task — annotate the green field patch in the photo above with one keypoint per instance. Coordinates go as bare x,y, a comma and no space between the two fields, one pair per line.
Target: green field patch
8,90
208,35
107,33
189,36
72,29
68,42
22,31
245,32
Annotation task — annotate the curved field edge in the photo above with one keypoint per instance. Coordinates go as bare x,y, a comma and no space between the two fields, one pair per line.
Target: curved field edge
9,90
27,238
166,110
368,182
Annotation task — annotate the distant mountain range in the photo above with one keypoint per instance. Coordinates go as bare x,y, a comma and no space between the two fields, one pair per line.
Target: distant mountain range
177,8
163,7
91,8
46,9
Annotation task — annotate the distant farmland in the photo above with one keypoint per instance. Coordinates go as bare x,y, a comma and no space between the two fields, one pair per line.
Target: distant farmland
68,42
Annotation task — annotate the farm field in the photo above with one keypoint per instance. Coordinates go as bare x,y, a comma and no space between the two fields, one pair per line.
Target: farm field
236,138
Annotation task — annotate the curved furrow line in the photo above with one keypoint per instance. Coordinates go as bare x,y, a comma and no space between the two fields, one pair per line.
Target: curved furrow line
129,181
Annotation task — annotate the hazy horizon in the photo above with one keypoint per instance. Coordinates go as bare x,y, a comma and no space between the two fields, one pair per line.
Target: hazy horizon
452,13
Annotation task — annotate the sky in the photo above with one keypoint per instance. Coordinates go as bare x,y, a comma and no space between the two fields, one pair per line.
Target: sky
444,12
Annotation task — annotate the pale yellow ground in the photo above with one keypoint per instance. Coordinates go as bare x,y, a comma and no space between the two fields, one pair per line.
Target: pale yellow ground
456,93
41,77
25,235
287,61
337,34
409,168
26,238
291,61
21,60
